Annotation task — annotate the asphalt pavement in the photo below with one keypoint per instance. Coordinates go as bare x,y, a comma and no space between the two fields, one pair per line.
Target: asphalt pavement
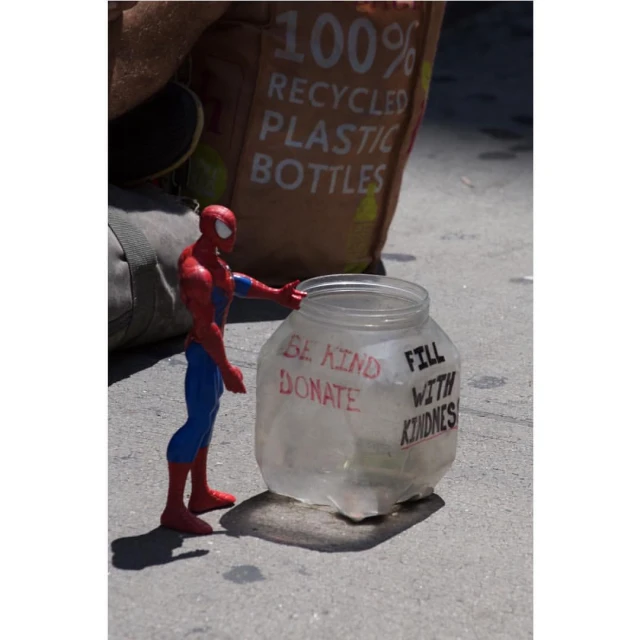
458,565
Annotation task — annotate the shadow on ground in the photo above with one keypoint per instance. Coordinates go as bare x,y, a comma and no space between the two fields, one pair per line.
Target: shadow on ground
455,12
126,362
285,521
151,549
483,75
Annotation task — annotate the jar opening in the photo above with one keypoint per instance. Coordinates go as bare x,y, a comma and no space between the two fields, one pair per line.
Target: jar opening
363,300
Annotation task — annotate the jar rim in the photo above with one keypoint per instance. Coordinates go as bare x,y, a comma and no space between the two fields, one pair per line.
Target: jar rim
413,301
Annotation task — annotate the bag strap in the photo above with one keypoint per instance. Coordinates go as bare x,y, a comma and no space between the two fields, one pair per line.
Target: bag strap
143,263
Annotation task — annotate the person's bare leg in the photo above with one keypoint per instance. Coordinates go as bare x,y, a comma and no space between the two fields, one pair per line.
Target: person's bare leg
148,43
116,10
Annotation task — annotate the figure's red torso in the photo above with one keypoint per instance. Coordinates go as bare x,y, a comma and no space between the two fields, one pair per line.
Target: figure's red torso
206,286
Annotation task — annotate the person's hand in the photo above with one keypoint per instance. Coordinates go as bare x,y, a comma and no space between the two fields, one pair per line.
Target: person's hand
232,378
289,296
116,9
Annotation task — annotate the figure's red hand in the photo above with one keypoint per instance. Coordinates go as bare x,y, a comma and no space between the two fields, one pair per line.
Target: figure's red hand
289,296
232,378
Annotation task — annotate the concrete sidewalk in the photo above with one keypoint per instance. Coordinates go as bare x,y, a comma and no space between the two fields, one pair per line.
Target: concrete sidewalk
458,565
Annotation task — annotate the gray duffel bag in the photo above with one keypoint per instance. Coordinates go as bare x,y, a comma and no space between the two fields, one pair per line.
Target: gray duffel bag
148,230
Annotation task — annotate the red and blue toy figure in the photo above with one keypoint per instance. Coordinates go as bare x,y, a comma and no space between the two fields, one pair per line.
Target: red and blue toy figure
207,287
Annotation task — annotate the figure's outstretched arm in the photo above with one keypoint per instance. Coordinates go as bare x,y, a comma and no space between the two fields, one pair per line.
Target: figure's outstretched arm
287,296
195,288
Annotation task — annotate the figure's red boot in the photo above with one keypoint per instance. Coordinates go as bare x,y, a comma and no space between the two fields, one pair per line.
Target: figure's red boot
175,515
202,497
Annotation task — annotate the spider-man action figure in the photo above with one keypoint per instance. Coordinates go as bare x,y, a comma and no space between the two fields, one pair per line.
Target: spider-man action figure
207,287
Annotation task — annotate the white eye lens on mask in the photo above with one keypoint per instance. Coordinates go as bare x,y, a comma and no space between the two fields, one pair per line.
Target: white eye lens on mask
222,230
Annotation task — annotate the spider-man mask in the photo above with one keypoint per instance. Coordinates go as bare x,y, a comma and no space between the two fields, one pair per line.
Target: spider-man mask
218,226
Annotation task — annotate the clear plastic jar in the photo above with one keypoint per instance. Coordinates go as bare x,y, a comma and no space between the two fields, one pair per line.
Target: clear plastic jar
357,397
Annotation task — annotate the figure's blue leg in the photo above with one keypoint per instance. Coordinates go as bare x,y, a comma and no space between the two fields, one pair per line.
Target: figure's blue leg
203,498
202,397
219,389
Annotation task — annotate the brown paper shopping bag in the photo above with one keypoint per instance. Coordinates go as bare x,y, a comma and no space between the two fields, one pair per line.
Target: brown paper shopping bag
311,109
